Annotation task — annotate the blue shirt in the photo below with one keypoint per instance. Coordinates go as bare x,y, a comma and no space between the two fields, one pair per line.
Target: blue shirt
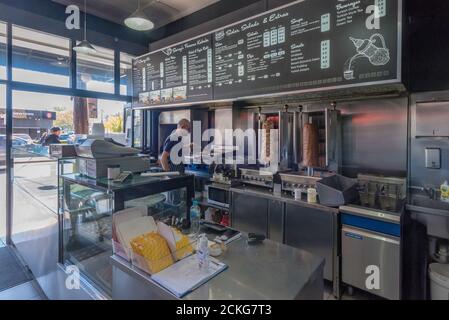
168,146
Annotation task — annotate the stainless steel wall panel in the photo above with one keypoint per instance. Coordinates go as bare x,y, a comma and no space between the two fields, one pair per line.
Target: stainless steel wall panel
429,112
374,136
429,118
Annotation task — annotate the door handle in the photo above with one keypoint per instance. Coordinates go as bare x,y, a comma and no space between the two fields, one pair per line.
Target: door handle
370,235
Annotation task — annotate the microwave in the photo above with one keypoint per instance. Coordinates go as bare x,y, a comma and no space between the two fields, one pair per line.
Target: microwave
219,195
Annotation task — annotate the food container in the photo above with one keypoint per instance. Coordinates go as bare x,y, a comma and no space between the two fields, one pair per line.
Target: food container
337,190
156,265
311,195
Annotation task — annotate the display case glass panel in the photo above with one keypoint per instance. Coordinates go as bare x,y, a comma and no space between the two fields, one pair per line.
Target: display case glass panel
89,236
87,232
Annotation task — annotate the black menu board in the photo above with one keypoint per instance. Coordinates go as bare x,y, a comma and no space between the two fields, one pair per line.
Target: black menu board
309,45
304,46
139,75
181,73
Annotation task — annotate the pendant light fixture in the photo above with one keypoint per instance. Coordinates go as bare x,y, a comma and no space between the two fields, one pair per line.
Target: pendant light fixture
139,20
84,46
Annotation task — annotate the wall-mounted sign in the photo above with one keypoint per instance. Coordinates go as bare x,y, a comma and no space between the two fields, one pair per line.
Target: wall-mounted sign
305,46
182,73
21,114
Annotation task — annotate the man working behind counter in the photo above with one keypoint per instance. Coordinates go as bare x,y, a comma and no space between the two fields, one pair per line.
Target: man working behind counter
172,140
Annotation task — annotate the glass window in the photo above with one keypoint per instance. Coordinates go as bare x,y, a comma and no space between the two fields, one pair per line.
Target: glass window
95,72
40,58
2,164
128,125
126,68
137,129
110,114
35,114
35,193
3,50
35,175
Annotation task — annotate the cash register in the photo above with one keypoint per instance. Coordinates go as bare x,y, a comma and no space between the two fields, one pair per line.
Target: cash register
94,157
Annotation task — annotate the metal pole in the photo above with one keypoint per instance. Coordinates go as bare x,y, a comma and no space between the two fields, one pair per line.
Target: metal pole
117,74
9,132
73,62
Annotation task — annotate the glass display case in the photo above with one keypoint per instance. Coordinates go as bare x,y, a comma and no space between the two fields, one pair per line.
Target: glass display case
89,206
65,166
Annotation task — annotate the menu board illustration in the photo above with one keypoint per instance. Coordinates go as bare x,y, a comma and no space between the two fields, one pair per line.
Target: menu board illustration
303,46
369,49
308,45
181,73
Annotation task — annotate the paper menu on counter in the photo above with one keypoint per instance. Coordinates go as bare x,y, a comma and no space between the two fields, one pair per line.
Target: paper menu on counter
185,276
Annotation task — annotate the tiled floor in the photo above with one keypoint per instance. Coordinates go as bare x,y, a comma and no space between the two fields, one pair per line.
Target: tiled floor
327,291
25,291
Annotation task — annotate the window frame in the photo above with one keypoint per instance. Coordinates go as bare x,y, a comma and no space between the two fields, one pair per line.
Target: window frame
21,42
72,90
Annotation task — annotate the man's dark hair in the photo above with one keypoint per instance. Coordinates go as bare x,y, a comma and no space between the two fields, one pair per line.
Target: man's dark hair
55,129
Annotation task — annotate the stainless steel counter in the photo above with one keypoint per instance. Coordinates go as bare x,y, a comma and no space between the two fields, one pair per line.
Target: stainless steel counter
433,214
270,271
267,194
297,223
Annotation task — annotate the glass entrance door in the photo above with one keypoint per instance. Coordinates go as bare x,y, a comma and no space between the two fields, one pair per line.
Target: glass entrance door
2,166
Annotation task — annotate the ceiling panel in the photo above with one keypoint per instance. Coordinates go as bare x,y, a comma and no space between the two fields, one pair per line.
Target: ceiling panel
161,12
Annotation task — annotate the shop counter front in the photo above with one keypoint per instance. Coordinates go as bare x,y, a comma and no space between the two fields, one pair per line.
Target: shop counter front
265,271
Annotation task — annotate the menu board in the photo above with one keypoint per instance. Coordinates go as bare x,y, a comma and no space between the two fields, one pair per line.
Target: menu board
308,45
181,73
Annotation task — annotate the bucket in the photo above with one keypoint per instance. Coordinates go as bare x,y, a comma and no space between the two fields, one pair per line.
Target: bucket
439,281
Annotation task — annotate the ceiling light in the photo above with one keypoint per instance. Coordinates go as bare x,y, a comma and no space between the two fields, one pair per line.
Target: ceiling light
84,46
139,20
